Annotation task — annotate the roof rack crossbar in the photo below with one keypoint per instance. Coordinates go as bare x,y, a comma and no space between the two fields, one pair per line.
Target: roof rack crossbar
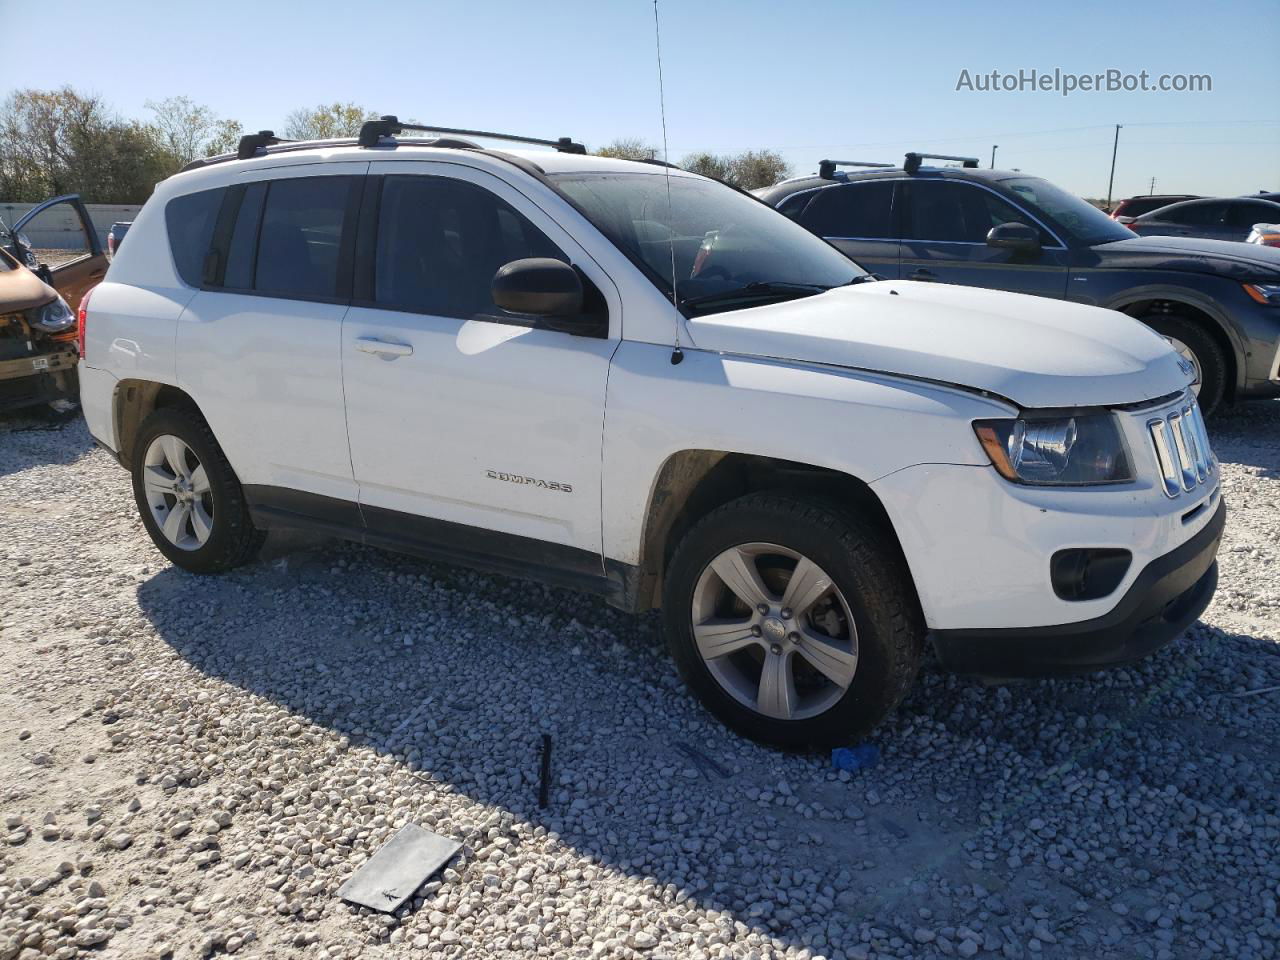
827,168
251,143
912,162
373,131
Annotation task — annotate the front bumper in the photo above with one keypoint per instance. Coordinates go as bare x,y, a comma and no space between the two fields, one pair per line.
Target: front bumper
1165,598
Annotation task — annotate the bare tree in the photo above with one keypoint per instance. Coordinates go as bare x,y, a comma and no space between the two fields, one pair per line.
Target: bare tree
327,121
628,148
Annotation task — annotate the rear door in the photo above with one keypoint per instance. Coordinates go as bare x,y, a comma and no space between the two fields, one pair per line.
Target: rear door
861,220
259,345
944,239
59,234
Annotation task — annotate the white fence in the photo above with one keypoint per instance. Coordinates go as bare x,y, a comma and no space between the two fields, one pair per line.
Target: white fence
59,229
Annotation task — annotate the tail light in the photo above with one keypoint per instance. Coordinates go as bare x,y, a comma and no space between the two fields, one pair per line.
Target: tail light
81,315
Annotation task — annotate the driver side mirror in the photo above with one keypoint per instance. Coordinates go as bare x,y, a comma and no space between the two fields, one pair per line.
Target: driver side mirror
548,289
1015,237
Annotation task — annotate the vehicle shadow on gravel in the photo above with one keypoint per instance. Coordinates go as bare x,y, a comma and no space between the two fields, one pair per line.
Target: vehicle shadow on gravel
644,782
454,675
31,439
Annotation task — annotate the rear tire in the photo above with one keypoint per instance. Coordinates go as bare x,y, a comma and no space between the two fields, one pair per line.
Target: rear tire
849,651
188,496
1198,344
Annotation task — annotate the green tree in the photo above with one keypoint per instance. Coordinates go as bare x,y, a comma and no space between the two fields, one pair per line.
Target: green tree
326,121
747,171
61,141
628,148
707,165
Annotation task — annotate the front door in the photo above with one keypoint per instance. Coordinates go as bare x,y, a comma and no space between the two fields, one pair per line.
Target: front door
472,430
944,239
58,234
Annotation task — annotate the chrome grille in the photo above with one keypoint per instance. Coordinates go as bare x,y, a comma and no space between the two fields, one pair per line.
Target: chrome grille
1181,445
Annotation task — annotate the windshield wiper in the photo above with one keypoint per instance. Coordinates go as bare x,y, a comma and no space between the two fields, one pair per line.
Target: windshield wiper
757,289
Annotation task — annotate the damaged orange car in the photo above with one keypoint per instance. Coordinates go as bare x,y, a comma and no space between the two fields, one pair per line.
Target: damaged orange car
49,260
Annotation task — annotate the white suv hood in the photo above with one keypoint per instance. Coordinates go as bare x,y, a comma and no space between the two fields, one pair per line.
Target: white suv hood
1032,350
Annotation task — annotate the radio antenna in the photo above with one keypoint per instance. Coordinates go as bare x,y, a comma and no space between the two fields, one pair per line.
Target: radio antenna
676,353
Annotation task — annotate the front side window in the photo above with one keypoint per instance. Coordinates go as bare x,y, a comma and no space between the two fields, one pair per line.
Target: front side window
720,242
190,221
441,241
955,212
857,211
1084,222
299,237
1247,214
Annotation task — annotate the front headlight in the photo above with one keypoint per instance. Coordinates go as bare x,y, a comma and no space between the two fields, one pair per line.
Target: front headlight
1264,292
54,317
1056,450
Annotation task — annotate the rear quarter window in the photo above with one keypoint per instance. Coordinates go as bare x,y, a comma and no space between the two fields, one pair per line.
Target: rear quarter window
189,221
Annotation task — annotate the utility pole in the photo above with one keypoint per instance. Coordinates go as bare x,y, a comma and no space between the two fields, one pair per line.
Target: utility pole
1111,182
1152,192
993,156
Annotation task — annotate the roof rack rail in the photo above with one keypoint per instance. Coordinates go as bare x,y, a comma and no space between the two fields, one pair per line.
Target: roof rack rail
251,143
912,163
372,131
827,168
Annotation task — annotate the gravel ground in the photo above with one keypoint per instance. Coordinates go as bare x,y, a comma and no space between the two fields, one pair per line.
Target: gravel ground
191,767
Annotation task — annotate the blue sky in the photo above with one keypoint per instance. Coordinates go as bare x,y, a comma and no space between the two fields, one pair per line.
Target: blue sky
863,81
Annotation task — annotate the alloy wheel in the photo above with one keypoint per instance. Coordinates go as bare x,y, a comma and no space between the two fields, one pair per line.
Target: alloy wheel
178,492
774,631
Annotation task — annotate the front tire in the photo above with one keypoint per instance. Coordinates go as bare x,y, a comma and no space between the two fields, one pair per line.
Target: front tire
1197,345
792,621
188,496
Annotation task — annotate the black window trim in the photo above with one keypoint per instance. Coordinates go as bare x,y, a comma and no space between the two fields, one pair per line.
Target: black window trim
899,223
364,261
224,226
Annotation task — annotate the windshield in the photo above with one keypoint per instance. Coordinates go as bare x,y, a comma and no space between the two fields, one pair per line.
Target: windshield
1085,222
722,240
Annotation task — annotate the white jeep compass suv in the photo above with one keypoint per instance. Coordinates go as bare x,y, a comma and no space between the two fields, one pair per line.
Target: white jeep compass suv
472,355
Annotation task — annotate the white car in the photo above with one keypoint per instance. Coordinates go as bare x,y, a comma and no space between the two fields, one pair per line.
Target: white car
642,384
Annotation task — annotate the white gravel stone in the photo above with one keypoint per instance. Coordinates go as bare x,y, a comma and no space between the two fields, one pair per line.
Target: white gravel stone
276,717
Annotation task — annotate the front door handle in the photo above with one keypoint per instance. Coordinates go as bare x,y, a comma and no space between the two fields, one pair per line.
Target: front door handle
383,348
922,274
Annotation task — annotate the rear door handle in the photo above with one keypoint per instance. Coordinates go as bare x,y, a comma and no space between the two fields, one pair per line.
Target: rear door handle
384,348
922,274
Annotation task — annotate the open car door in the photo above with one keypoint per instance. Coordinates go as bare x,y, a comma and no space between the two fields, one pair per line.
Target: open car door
58,236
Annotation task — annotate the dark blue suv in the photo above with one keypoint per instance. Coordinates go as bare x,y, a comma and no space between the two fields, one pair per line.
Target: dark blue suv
1218,302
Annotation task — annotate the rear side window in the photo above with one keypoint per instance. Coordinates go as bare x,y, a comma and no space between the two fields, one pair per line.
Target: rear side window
300,236
190,222
792,206
440,242
862,211
1192,214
